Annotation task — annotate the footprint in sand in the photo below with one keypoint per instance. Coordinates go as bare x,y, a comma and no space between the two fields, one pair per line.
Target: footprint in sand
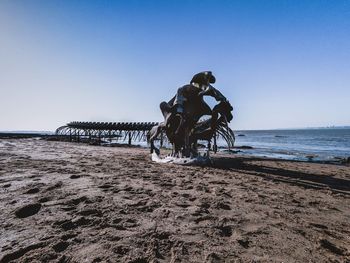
105,187
60,246
91,212
72,224
65,224
204,218
68,236
121,250
55,186
223,205
33,191
73,203
244,242
130,223
213,257
45,199
332,247
225,231
205,204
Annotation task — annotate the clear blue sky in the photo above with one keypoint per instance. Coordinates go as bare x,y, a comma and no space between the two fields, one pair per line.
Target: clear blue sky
280,63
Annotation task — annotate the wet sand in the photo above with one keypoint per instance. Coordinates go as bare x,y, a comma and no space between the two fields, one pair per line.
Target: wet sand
69,202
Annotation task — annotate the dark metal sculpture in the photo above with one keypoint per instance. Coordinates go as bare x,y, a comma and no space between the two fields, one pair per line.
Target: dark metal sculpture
182,118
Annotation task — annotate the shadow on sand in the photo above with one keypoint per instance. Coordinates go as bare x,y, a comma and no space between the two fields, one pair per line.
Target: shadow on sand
304,179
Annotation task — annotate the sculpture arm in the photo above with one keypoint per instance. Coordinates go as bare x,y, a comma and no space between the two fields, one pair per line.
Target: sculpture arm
213,92
171,102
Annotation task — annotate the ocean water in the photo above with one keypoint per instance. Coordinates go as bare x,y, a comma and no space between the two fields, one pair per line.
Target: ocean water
328,144
300,144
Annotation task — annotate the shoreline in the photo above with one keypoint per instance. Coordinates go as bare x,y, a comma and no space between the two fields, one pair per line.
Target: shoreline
74,202
242,149
287,156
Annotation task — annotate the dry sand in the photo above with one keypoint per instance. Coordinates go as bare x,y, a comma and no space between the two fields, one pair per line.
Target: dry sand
68,202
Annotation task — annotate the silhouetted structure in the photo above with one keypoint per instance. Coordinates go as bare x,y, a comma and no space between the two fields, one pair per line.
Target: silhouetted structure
97,132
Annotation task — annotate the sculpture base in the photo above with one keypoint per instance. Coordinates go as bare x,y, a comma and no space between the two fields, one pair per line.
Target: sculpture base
200,160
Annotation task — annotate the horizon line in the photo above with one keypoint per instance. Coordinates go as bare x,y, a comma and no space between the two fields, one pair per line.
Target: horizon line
272,129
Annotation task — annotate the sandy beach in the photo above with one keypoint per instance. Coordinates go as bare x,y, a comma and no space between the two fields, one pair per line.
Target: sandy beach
70,202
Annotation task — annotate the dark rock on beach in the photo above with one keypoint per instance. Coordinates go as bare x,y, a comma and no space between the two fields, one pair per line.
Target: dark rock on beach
28,210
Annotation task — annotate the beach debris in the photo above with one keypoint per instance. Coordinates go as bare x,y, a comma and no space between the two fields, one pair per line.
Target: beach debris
198,160
183,125
28,210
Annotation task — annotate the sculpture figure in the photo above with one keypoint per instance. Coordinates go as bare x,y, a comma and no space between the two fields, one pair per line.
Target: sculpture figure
182,114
